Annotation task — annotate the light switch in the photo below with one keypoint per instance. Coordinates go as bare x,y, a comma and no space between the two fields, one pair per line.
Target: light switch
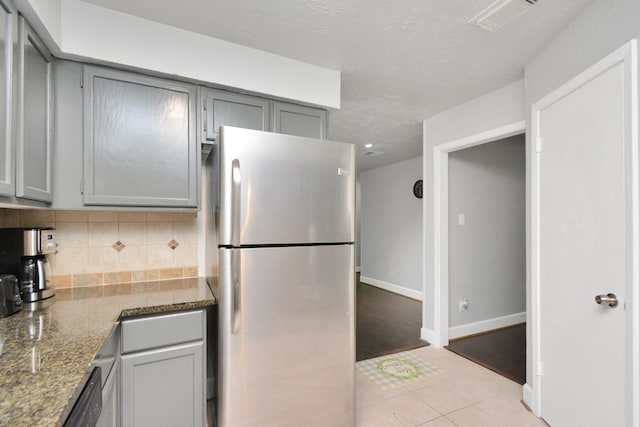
461,219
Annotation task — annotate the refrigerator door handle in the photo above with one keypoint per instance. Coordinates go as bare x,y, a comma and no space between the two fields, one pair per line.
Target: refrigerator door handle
236,294
236,194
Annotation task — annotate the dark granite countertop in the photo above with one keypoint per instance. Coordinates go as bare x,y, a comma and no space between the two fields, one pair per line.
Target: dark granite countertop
47,350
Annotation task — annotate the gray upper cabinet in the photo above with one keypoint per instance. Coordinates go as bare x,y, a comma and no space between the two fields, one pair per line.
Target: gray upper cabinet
250,112
33,137
7,37
299,120
140,145
25,112
231,109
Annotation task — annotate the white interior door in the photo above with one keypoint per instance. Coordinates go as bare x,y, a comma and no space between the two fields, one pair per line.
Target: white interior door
584,225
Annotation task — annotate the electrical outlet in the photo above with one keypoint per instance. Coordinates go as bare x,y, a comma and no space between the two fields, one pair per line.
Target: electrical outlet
463,304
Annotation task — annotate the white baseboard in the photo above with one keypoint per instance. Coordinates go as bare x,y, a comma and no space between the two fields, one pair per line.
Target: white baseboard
358,269
430,336
487,325
401,290
527,396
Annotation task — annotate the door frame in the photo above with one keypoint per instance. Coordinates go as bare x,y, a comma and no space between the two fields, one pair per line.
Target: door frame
441,219
626,55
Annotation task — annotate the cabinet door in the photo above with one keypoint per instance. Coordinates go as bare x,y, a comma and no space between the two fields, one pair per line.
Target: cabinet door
139,140
33,142
231,109
164,387
300,121
7,37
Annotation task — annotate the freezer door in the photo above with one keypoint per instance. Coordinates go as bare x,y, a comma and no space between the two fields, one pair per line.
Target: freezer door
286,337
284,189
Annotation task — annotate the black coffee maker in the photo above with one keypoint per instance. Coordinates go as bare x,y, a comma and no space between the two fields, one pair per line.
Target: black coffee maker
23,253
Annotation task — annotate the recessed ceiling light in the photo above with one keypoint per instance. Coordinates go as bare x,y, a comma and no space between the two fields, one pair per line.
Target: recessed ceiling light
372,153
368,145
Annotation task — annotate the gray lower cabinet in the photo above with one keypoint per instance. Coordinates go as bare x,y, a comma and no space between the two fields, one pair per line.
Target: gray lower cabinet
164,387
232,109
140,142
299,120
164,371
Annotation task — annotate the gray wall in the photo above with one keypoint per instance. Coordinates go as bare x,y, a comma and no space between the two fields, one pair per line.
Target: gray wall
391,227
603,27
487,254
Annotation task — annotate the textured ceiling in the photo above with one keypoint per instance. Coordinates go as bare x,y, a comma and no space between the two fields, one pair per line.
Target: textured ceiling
401,61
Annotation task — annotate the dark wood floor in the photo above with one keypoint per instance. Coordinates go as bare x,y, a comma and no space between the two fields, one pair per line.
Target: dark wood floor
385,322
502,351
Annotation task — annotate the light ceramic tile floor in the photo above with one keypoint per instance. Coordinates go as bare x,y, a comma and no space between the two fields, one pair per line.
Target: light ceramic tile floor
463,394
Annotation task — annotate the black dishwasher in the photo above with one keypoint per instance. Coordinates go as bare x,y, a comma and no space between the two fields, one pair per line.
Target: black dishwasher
86,411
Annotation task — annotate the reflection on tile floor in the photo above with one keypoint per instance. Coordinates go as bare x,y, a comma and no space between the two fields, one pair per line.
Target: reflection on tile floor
463,394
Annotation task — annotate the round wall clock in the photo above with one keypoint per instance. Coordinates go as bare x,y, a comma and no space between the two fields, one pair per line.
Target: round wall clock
417,189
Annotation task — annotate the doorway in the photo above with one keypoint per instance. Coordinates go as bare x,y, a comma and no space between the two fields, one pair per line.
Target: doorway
487,255
441,232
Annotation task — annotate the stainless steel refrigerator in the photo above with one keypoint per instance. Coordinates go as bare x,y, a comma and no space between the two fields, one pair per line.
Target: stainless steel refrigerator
286,280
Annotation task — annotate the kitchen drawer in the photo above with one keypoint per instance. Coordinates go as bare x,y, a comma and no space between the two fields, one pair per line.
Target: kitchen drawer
161,331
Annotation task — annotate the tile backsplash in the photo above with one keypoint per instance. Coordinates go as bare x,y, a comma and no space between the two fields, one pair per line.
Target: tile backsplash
105,247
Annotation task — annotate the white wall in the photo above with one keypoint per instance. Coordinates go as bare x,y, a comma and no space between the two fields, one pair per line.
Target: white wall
487,253
602,27
91,33
493,110
391,228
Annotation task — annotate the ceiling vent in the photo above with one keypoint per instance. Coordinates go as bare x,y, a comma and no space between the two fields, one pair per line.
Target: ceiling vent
501,12
372,153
